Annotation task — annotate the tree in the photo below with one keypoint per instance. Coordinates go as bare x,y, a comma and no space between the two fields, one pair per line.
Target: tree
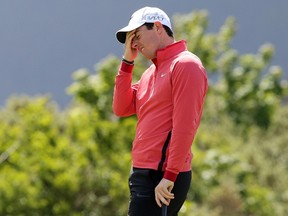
76,161
248,89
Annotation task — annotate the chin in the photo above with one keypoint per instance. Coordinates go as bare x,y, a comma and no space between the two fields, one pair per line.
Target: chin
149,57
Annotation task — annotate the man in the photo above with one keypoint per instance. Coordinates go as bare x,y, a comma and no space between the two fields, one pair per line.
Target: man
168,101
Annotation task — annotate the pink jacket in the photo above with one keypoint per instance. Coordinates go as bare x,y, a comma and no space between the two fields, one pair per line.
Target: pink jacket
168,97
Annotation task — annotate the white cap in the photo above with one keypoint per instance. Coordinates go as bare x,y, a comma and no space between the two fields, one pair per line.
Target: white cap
141,16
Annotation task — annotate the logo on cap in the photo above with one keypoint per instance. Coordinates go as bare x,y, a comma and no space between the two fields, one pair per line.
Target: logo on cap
153,17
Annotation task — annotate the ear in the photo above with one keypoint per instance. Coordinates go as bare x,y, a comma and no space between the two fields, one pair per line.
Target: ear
158,26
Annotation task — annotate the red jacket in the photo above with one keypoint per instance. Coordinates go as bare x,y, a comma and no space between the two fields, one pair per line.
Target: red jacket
168,97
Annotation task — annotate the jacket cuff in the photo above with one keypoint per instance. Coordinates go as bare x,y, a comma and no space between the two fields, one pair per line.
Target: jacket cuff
170,176
127,68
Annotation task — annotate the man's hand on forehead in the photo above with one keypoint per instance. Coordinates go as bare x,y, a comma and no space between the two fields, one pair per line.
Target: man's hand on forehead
133,31
130,53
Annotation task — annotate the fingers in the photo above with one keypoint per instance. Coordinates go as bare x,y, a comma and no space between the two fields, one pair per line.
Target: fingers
130,53
129,36
163,198
163,193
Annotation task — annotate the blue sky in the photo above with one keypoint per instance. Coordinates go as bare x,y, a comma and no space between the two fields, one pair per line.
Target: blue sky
43,42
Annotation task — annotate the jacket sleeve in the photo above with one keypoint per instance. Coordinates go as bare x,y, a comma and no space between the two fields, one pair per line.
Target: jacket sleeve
189,83
124,92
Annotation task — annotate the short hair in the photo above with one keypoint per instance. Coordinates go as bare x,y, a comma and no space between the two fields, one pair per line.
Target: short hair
169,32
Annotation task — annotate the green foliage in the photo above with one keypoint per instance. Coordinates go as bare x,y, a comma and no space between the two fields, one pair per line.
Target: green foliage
96,89
250,90
208,46
251,96
77,161
53,160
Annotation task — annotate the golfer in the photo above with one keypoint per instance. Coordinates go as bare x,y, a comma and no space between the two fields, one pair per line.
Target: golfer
168,101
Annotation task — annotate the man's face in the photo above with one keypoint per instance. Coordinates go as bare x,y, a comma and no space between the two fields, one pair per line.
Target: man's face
146,41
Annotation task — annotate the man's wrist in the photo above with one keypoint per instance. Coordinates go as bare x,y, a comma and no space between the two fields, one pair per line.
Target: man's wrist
170,176
127,61
127,68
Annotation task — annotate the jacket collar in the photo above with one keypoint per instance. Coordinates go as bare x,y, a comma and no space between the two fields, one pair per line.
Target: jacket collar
169,51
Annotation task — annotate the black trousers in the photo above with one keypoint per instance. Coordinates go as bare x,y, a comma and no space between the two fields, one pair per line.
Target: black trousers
142,183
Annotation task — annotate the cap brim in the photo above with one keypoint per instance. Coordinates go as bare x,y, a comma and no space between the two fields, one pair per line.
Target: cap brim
121,34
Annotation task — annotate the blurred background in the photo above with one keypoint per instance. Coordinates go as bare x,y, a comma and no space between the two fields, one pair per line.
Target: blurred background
43,42
64,152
